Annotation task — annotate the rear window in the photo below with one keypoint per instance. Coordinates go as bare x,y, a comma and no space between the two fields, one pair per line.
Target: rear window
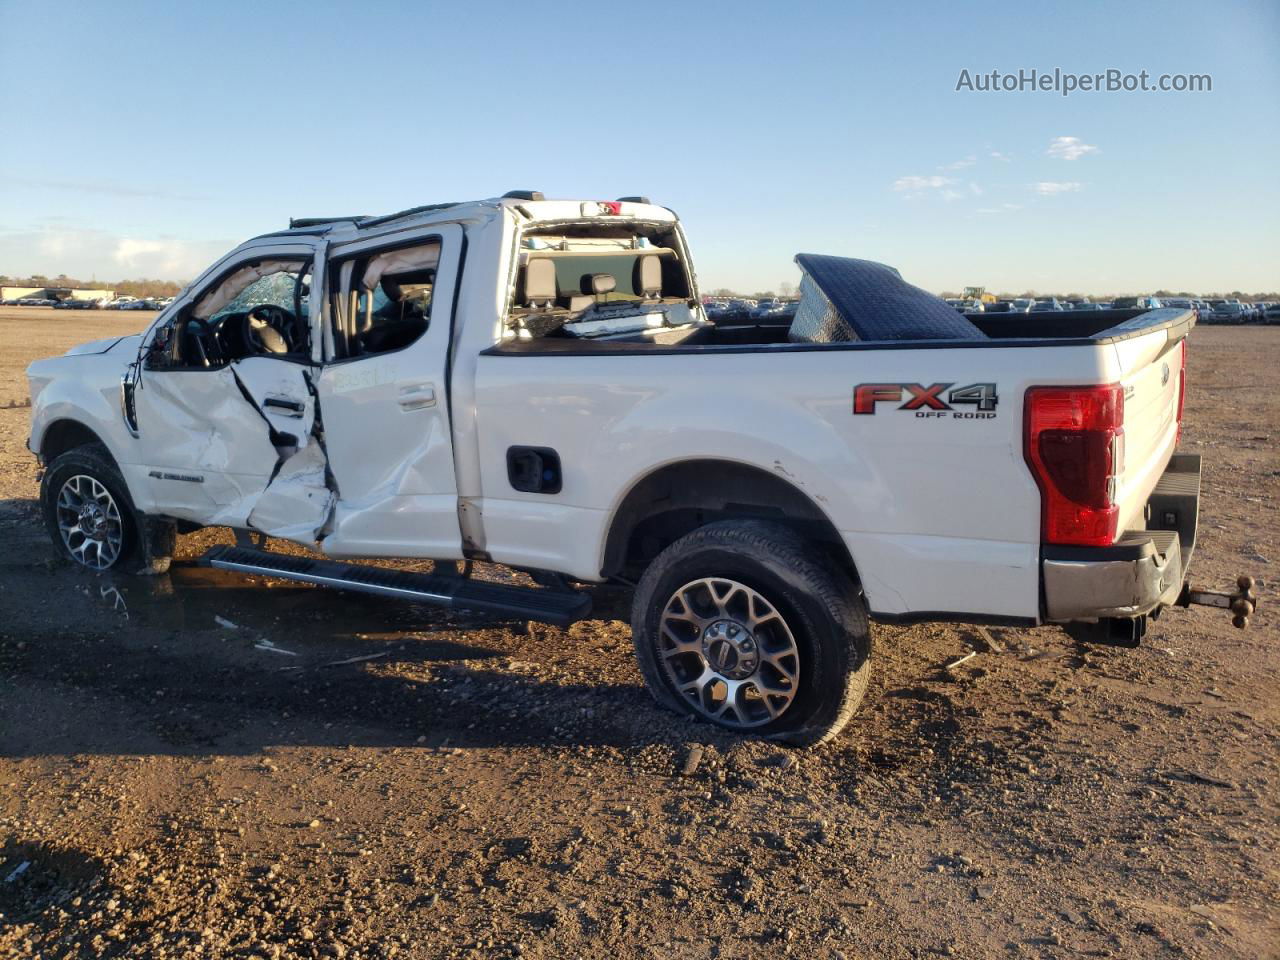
574,271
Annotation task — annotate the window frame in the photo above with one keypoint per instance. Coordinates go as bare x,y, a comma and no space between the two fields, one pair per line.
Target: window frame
366,250
181,309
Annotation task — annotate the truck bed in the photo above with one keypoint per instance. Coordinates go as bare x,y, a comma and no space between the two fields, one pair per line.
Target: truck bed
938,507
1075,327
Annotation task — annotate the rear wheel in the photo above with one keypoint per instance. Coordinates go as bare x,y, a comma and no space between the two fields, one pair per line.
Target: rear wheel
742,623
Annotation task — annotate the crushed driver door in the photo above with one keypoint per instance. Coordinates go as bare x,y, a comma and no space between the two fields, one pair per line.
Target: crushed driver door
235,445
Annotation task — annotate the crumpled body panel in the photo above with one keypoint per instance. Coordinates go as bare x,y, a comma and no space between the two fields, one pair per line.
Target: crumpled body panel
236,447
297,503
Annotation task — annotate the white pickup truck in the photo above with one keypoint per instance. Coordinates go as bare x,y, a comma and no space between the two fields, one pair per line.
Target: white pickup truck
535,383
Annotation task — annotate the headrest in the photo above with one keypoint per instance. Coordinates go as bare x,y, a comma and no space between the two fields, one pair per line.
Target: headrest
539,282
648,278
602,283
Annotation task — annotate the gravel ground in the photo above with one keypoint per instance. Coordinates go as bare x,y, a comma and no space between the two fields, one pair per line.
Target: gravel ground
325,775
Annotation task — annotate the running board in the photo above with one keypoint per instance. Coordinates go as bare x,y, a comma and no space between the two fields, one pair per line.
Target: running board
558,607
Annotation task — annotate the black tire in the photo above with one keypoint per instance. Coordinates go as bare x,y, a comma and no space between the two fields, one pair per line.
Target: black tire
93,461
823,613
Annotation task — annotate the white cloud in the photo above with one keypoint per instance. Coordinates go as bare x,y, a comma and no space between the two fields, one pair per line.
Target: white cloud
1003,208
916,184
1069,148
86,252
997,155
968,161
1048,188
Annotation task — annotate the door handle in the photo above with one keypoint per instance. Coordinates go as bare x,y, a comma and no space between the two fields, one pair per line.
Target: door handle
290,408
417,396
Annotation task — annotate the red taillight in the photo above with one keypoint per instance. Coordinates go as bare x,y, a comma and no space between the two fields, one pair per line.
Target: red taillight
1073,443
1182,389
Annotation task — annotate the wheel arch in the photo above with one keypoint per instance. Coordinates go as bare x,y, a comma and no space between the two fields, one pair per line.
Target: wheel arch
66,434
678,498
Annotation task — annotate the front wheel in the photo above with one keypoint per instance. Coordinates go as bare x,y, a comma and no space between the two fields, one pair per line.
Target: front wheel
743,624
88,511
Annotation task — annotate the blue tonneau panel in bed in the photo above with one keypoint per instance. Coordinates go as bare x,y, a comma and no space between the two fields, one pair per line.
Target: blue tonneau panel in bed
877,304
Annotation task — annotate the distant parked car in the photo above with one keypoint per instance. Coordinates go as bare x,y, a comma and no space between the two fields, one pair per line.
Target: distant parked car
1142,303
1000,306
1023,305
1047,306
1272,312
1227,312
762,309
1087,305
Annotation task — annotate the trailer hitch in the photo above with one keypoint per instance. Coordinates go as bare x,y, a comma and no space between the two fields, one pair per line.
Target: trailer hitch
1242,603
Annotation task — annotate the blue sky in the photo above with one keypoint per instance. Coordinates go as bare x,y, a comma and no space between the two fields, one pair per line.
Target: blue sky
145,139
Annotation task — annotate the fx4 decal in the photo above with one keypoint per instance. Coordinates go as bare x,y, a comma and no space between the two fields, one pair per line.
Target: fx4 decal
927,401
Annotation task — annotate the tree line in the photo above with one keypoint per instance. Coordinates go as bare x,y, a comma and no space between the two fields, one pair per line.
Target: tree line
143,289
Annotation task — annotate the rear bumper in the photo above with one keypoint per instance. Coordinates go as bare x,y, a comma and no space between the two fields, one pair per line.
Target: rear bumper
1143,571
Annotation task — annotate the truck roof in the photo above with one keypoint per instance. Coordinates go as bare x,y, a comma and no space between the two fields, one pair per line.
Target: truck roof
529,203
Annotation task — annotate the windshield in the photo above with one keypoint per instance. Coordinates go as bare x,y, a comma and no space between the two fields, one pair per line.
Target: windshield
278,289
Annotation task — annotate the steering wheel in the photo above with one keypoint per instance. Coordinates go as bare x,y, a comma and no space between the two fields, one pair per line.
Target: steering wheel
203,337
270,329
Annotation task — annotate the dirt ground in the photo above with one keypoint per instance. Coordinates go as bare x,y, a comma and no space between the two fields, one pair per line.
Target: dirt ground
326,775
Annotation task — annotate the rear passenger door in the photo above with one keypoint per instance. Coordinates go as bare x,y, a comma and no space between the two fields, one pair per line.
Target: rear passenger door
383,395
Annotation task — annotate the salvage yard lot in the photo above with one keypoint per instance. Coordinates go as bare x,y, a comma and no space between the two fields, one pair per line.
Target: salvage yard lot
202,764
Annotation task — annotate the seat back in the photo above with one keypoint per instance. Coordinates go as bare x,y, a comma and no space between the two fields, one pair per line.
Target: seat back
540,284
648,276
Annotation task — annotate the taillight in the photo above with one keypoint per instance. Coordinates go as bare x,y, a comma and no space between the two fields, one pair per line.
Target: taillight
1074,445
1182,389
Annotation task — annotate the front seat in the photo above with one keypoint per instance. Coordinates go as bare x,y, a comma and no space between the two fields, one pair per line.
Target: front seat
540,284
540,292
648,276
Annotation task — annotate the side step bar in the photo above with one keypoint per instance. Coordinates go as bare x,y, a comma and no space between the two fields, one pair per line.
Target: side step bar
558,607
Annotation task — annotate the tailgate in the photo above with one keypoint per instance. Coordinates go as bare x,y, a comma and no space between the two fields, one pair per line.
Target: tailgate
1151,370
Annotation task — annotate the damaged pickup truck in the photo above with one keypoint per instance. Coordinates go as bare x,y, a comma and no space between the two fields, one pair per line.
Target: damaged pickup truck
535,383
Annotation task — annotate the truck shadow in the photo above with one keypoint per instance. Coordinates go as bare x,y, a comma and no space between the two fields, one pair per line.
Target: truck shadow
202,662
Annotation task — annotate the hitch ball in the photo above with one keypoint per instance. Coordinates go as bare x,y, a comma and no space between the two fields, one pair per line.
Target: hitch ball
1242,605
